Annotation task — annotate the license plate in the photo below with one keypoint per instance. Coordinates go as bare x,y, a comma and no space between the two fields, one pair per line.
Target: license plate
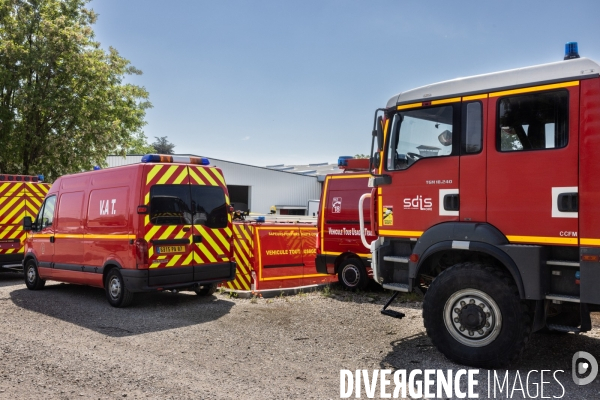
170,249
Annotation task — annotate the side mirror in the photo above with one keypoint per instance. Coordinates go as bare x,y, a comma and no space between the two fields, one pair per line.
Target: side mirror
379,133
27,224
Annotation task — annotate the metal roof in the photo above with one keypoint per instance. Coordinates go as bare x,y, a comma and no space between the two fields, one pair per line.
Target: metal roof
578,68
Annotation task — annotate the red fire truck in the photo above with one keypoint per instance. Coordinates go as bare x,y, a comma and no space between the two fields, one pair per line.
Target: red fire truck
162,224
486,199
339,248
20,196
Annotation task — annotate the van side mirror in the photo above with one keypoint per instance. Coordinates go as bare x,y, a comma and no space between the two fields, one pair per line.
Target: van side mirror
27,224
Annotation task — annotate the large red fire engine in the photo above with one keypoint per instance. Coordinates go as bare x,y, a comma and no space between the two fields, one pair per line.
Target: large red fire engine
339,247
486,199
162,224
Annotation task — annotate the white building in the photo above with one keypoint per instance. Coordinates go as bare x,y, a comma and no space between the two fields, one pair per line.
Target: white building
256,189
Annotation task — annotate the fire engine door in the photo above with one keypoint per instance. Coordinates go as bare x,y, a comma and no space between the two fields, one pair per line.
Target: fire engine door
473,160
422,159
532,170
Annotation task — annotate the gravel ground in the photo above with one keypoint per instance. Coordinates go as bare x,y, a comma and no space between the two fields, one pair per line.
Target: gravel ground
66,342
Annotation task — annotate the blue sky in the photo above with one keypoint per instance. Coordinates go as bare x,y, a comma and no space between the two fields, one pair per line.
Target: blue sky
292,82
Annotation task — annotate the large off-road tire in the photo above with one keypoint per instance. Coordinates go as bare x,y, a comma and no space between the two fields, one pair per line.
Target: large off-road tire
32,277
206,290
116,292
474,316
352,274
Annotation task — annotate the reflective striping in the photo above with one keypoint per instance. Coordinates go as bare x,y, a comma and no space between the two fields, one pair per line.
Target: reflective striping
411,234
341,176
167,175
460,245
18,200
181,177
208,177
294,277
446,101
542,239
337,253
405,106
591,242
535,89
475,97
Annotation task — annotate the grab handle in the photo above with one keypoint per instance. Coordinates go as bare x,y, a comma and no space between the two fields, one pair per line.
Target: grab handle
361,220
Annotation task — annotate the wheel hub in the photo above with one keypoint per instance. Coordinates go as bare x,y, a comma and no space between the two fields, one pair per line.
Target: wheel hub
31,274
115,288
472,317
350,275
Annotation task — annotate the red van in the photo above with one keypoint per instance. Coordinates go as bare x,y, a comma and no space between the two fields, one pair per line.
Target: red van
161,224
339,247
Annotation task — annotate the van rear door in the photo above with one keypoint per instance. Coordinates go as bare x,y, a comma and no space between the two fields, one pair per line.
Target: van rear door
168,226
212,225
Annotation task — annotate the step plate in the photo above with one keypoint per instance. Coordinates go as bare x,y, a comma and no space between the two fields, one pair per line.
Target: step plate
399,287
563,328
562,297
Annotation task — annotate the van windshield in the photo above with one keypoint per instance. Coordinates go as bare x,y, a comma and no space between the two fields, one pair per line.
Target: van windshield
188,204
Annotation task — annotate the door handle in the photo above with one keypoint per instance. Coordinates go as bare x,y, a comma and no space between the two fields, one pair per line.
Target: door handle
51,239
568,202
197,239
451,202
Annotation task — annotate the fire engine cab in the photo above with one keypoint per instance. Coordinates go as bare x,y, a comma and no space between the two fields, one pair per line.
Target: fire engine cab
339,248
486,199
162,224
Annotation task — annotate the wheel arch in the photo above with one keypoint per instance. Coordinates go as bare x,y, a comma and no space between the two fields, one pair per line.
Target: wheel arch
345,256
467,242
107,267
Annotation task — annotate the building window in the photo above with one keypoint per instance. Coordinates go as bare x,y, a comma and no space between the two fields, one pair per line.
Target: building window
533,121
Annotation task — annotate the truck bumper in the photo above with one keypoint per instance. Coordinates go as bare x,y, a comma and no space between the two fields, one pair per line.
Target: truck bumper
147,280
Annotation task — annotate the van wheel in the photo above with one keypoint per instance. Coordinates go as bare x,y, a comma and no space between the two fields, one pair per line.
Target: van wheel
206,290
116,292
352,274
474,316
32,277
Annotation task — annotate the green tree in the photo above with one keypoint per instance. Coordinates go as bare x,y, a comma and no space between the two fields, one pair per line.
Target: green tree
64,105
361,156
163,146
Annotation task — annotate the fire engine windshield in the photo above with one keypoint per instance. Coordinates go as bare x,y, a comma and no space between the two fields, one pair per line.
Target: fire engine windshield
188,204
419,133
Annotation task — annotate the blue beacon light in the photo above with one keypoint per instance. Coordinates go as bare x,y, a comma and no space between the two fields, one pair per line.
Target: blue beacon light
571,51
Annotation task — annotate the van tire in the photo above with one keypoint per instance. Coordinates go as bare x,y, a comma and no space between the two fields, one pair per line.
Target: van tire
352,274
206,290
116,292
32,277
496,323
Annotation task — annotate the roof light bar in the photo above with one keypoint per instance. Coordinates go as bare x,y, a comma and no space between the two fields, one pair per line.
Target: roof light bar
21,178
343,160
175,159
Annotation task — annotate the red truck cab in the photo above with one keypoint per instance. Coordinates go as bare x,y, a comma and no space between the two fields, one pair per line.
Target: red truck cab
340,250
